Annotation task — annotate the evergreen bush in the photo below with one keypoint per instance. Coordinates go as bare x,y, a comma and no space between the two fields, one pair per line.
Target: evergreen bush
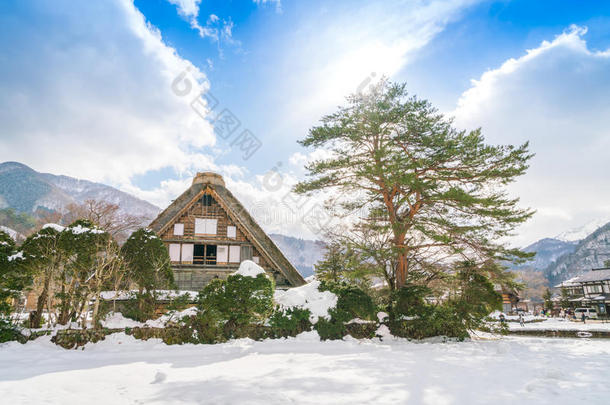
205,327
141,307
238,302
12,281
412,317
289,322
352,302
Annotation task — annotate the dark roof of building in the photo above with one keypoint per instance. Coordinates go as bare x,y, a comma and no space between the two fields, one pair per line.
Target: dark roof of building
236,209
594,275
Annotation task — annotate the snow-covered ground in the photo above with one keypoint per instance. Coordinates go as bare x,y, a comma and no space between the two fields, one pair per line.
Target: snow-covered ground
303,370
562,324
515,318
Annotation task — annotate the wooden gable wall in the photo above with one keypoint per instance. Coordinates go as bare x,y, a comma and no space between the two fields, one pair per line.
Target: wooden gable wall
214,211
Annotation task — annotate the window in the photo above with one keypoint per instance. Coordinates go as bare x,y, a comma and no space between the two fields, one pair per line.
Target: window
204,254
256,259
187,252
223,254
205,226
199,226
234,254
174,252
206,200
231,232
591,289
210,254
178,229
199,254
246,252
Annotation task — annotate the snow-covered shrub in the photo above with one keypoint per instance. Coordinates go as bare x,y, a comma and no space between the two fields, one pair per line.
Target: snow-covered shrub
352,303
330,307
245,298
309,297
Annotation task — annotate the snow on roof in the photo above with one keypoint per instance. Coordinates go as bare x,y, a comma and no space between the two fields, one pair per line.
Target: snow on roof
309,297
594,275
57,227
130,294
568,283
248,268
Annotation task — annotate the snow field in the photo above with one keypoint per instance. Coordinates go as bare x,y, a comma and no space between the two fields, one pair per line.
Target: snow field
303,370
562,324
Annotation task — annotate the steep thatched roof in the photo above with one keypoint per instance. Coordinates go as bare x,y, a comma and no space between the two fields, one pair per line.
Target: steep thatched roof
239,214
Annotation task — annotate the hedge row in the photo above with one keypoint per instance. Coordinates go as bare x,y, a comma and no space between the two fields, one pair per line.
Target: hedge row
243,306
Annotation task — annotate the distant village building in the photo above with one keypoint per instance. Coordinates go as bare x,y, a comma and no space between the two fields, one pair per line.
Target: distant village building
590,290
510,298
209,233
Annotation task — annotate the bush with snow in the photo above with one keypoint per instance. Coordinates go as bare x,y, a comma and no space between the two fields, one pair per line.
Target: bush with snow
309,297
352,304
331,307
244,298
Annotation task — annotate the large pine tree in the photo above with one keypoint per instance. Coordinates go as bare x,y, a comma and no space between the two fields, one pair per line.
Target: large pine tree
433,192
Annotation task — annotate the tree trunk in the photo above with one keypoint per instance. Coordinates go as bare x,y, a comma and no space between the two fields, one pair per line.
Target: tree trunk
402,269
402,266
36,316
96,307
66,304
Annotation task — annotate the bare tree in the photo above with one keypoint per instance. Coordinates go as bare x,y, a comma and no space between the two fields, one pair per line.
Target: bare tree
106,216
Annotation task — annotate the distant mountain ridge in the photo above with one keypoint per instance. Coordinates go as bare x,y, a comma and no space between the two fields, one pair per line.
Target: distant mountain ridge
579,233
565,256
591,252
27,190
302,253
547,250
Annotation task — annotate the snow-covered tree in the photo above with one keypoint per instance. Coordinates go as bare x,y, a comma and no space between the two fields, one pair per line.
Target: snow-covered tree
42,258
148,267
147,260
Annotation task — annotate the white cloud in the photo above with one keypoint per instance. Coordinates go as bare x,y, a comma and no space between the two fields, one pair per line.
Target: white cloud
187,8
333,52
556,96
278,4
91,96
216,29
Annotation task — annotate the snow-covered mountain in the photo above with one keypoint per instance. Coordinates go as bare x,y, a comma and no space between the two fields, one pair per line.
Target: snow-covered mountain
581,232
302,253
591,252
547,250
27,190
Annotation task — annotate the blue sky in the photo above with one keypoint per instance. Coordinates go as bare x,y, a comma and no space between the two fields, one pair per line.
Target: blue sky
481,37
86,89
